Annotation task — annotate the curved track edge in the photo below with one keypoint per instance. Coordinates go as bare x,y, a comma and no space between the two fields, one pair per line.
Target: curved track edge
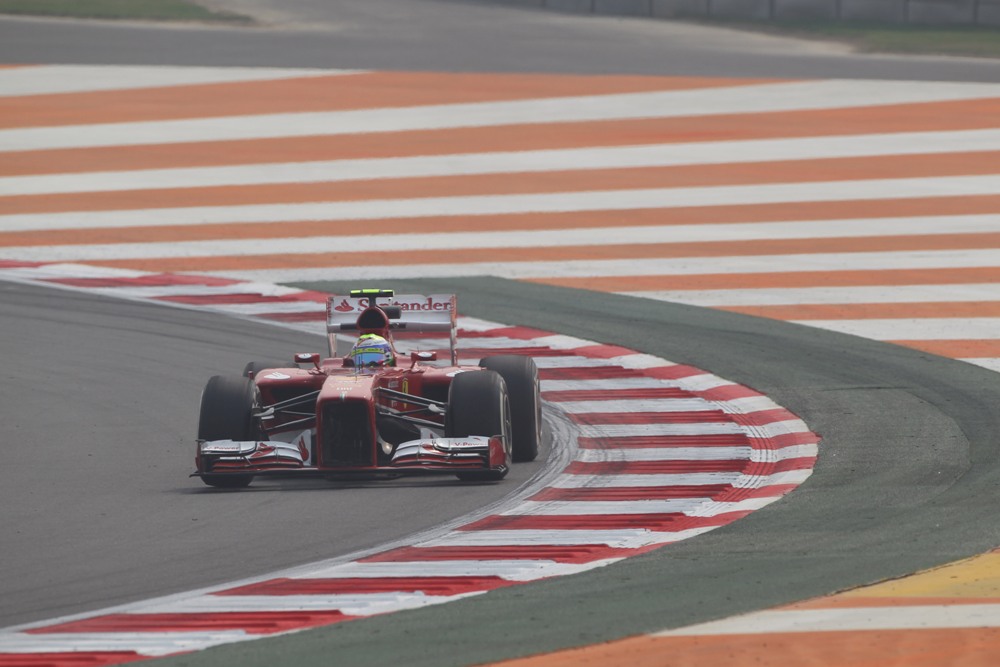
667,452
910,442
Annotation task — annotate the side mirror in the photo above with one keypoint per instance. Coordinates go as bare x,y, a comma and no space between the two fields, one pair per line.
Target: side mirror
423,356
307,358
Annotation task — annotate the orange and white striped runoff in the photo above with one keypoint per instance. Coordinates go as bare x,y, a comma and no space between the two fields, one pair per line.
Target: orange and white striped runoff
867,207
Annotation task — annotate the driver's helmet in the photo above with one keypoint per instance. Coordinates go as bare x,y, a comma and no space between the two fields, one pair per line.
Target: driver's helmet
372,350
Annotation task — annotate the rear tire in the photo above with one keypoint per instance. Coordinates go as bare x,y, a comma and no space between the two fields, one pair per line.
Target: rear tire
521,375
478,405
227,406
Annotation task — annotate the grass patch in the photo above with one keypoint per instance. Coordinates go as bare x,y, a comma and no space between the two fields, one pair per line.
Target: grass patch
887,37
148,10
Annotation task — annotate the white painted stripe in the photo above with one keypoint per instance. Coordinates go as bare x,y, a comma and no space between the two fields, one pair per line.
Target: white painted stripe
60,79
775,429
928,328
637,405
640,361
611,480
916,617
631,361
609,200
703,382
511,570
665,454
353,605
784,453
573,159
414,242
785,96
778,478
992,364
710,509
467,323
629,538
563,342
571,362
795,296
869,261
495,342
609,384
747,405
553,342
630,430
145,643
736,479
607,508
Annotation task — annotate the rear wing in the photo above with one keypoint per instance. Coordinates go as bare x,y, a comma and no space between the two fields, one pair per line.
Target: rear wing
411,318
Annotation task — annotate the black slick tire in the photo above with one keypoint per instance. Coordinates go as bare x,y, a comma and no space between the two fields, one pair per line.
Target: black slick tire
227,406
478,405
521,375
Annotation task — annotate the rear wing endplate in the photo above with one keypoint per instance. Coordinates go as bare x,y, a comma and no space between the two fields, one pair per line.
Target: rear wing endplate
410,316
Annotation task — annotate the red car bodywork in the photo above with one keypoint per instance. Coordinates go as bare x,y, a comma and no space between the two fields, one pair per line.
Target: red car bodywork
331,419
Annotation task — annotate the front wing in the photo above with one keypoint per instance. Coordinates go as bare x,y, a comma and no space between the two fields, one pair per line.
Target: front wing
429,456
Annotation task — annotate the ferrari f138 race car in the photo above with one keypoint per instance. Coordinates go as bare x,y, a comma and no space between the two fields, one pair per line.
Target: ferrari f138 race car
370,412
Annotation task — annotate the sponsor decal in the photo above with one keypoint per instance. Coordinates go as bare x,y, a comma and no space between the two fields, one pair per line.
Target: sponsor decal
303,447
229,446
459,447
464,444
359,304
454,373
221,446
278,376
428,304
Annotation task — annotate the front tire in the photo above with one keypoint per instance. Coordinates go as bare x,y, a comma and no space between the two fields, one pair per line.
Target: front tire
478,405
521,375
227,406
253,368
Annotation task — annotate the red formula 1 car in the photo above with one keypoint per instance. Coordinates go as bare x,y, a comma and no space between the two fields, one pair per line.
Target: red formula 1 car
370,412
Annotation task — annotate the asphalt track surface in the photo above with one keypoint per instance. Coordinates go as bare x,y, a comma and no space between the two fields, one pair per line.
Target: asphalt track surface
907,478
100,402
461,35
